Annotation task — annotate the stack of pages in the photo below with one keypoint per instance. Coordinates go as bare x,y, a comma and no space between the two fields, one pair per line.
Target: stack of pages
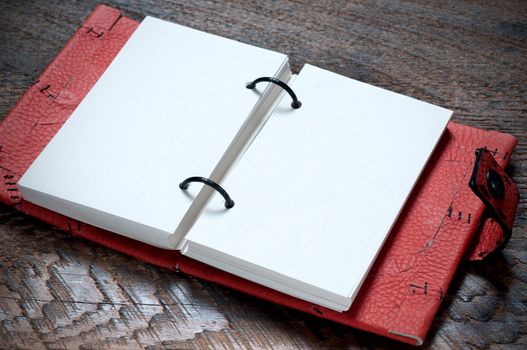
317,189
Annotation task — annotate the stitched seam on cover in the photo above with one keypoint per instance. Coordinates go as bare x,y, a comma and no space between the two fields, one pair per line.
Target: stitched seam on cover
53,94
424,251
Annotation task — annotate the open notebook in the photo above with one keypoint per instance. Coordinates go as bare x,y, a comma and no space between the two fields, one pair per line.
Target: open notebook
317,189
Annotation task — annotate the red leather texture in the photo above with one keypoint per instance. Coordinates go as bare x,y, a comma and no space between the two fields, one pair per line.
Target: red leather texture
411,275
490,239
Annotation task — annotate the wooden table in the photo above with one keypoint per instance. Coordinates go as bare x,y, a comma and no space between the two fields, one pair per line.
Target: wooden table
62,292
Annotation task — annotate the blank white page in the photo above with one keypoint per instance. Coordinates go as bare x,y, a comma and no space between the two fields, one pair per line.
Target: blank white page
320,187
165,109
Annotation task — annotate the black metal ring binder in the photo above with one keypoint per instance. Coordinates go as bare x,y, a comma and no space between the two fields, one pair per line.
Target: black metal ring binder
229,203
295,104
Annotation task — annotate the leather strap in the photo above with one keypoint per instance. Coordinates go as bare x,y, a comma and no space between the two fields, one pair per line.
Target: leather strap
500,195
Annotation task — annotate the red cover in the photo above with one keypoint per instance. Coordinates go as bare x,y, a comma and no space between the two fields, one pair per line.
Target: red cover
409,278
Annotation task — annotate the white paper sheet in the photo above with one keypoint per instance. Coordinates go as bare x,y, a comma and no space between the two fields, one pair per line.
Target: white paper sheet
319,189
165,109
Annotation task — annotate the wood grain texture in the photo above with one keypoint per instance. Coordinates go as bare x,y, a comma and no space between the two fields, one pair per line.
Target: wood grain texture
57,291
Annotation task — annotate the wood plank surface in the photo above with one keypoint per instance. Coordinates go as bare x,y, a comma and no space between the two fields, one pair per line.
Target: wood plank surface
57,291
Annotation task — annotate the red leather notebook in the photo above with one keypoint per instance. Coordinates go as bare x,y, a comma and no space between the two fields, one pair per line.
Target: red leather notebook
463,204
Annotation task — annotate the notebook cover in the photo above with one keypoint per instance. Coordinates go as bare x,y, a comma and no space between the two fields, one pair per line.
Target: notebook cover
410,277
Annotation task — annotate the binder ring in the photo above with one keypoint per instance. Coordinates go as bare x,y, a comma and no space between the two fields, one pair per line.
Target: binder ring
229,203
295,104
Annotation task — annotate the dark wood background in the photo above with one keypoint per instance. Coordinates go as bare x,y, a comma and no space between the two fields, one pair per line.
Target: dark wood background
62,292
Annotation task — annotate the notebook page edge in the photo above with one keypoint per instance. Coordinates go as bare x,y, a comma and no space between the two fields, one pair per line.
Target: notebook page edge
268,278
155,236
